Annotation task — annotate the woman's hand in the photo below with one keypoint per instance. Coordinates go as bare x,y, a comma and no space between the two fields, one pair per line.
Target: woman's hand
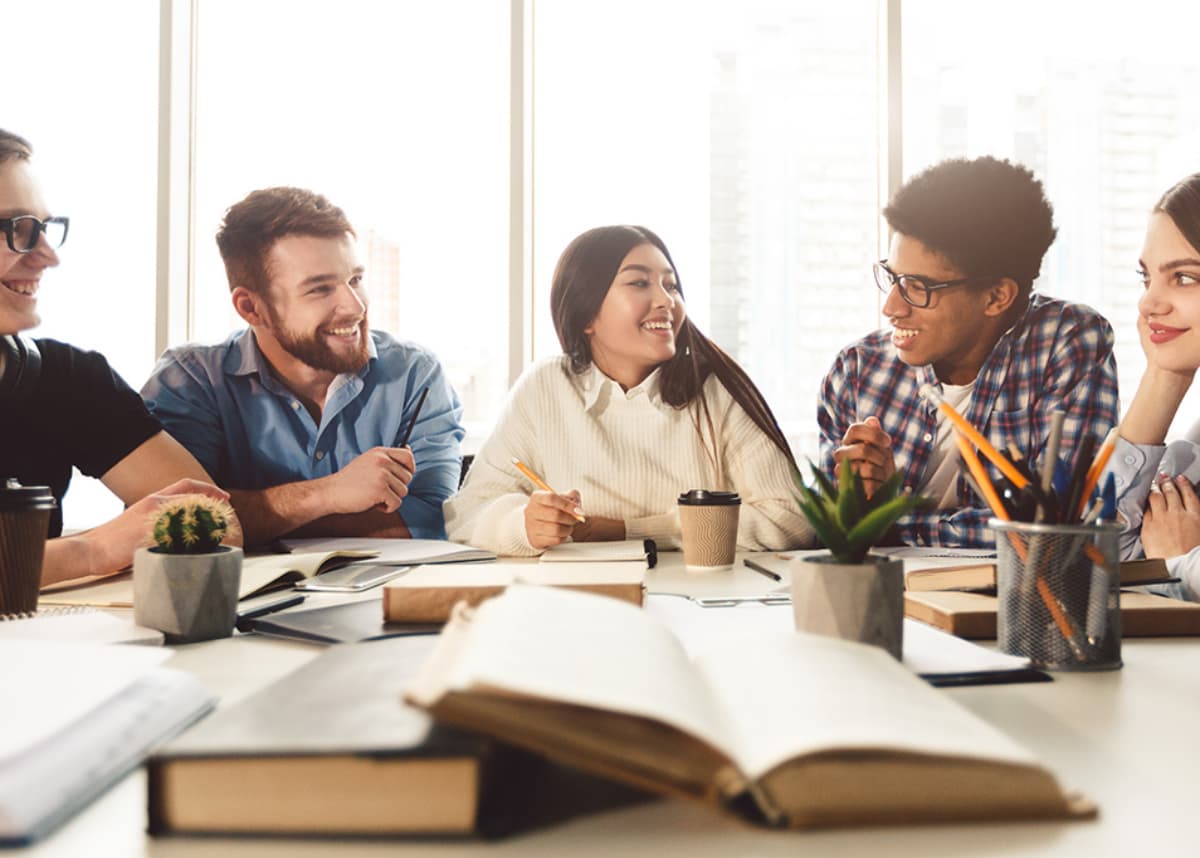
1171,525
550,518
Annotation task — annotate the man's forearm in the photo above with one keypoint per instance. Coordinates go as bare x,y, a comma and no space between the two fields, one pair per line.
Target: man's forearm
372,523
266,514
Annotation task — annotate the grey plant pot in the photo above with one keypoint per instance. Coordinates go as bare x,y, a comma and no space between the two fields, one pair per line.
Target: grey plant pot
188,597
859,602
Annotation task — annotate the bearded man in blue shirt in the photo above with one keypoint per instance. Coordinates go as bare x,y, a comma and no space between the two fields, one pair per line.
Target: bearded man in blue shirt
303,414
968,241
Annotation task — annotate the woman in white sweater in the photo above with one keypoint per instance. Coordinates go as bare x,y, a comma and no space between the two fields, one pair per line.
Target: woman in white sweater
1155,482
639,408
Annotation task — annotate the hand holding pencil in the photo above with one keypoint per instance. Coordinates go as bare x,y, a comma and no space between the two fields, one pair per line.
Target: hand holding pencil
550,517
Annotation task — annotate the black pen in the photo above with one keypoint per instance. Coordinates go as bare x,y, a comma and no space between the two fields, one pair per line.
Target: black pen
285,601
757,567
413,421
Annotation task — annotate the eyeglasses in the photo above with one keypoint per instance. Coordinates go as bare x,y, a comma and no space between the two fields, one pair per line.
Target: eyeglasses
22,232
914,289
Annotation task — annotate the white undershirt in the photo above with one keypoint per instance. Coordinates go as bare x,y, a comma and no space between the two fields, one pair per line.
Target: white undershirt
942,484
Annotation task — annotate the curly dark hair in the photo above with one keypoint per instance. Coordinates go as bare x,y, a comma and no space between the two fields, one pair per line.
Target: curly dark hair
1181,203
988,217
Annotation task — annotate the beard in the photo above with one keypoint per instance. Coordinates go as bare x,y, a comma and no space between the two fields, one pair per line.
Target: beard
312,350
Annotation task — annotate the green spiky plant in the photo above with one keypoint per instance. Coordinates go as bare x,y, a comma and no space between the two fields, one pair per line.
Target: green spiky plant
192,524
844,518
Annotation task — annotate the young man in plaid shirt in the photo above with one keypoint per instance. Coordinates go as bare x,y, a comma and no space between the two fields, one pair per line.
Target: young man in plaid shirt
968,242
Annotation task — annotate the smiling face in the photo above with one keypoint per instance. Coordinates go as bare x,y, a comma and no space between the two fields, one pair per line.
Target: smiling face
958,329
636,326
21,273
316,310
1169,309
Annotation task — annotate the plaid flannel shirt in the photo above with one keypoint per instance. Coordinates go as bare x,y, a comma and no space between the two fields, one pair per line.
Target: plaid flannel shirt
1059,355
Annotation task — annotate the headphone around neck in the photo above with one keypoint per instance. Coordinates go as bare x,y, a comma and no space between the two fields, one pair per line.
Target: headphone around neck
22,367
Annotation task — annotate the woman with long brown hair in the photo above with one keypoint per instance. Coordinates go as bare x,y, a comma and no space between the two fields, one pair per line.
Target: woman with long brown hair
639,407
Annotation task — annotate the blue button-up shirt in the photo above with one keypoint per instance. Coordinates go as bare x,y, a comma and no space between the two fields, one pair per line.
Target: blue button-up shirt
224,404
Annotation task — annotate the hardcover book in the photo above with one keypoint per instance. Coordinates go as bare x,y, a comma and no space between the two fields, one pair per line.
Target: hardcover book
819,732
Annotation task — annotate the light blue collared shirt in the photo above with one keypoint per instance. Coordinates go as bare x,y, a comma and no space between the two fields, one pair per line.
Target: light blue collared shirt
224,404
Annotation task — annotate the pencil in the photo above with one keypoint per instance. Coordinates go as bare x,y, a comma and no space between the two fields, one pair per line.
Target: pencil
541,484
993,500
973,435
413,421
1097,468
763,570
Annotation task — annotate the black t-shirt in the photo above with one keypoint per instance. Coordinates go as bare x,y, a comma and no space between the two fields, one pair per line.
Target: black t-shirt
81,414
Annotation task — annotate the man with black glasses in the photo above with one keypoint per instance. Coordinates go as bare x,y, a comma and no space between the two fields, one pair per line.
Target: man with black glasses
62,407
967,244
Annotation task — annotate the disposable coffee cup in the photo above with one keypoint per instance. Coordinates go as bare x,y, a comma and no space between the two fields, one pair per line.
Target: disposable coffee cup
24,522
709,522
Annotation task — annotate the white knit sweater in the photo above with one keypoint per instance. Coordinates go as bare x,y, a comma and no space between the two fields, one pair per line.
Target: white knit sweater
629,455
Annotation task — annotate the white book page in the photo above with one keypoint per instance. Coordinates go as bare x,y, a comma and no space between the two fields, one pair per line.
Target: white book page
52,684
629,550
519,572
589,650
789,694
402,552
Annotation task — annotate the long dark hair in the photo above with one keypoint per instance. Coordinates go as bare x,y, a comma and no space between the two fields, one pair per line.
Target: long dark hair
584,273
1181,203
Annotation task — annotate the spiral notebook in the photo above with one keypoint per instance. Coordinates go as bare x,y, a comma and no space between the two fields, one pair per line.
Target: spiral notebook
78,624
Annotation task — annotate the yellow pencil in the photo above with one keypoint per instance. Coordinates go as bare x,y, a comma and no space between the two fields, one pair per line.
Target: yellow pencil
1097,468
541,484
993,500
973,435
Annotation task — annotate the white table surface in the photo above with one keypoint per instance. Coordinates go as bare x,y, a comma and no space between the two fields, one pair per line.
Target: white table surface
1125,738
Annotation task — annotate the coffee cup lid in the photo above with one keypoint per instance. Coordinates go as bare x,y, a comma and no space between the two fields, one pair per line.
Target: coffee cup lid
13,495
703,497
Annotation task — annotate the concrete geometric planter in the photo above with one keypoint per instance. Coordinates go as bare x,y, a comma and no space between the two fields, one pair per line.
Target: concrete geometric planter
188,597
859,602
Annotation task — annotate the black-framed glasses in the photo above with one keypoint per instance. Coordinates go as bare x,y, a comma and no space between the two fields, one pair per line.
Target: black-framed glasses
914,288
22,232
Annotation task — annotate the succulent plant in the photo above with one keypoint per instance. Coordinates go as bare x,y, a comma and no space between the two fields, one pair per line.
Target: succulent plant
844,518
192,524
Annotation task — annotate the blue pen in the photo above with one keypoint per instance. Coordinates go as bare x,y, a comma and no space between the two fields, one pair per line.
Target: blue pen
1108,499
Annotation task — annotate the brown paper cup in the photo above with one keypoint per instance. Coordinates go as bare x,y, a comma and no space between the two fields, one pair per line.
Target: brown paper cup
24,520
709,530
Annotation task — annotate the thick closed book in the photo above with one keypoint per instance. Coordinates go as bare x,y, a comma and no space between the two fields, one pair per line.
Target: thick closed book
788,729
974,615
427,594
981,576
78,718
330,749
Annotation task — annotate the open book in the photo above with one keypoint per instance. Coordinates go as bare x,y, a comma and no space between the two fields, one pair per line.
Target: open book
80,716
397,552
268,572
427,594
796,730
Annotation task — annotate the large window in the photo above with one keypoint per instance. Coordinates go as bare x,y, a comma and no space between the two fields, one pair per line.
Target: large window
90,112
746,135
398,112
1095,103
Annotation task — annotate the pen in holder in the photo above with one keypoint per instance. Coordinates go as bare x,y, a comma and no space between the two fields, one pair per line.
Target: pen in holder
1059,594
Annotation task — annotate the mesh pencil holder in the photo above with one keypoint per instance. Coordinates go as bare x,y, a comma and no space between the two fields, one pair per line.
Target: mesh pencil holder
1058,588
